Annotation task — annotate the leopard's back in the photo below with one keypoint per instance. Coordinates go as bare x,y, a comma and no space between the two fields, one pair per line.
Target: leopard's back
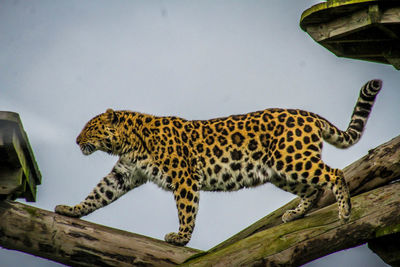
251,149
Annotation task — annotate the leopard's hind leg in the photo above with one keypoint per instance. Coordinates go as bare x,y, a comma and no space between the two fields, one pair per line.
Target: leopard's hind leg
308,194
307,201
340,189
317,175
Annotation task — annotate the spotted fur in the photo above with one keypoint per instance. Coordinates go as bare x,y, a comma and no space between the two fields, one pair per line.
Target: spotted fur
281,146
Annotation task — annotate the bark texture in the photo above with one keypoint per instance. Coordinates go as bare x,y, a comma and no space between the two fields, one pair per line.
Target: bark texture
375,213
79,243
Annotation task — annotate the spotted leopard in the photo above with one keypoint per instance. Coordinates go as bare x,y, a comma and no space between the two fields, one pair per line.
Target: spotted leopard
281,146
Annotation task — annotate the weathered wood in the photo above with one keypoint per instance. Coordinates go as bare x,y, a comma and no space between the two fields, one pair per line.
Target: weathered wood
359,29
388,248
338,28
19,173
375,213
392,55
79,243
11,170
379,167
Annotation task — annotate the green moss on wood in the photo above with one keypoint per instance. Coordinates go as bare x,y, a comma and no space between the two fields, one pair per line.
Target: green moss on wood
323,7
31,210
391,229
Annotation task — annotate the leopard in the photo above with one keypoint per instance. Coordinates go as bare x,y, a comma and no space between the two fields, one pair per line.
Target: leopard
276,145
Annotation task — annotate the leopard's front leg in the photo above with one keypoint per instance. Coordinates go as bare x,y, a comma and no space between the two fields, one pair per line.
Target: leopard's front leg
119,181
187,201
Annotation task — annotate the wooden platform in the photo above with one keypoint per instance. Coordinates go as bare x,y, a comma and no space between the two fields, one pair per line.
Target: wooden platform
359,29
19,173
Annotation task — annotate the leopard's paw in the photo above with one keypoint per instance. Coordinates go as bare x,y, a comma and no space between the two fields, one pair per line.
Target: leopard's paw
344,211
290,215
177,239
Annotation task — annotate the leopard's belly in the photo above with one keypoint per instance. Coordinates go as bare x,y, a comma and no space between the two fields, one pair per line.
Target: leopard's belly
226,179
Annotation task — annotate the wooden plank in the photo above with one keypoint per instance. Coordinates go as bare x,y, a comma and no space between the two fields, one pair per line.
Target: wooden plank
11,181
326,11
15,154
18,150
394,61
11,173
30,191
343,26
362,30
9,116
351,40
363,50
391,16
12,120
393,56
340,27
29,183
9,156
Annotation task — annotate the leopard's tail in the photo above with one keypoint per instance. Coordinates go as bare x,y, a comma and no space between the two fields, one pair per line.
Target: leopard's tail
362,109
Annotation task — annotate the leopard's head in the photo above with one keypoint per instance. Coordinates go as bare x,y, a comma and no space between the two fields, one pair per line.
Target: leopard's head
100,133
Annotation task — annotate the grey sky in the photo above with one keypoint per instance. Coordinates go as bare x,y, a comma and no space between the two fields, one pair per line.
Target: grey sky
62,62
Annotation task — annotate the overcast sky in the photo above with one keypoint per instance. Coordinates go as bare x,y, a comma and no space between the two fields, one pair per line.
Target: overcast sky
62,62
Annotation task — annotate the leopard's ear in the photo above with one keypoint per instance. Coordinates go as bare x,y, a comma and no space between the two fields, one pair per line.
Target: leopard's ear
111,116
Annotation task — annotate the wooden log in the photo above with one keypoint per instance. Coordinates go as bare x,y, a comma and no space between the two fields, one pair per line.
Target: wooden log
379,167
79,243
388,248
375,213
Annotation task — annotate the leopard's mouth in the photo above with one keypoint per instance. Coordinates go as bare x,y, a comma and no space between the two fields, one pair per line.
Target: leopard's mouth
87,148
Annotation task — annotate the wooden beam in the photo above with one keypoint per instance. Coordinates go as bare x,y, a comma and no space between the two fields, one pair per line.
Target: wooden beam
358,29
392,55
300,241
11,167
16,157
340,27
80,243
